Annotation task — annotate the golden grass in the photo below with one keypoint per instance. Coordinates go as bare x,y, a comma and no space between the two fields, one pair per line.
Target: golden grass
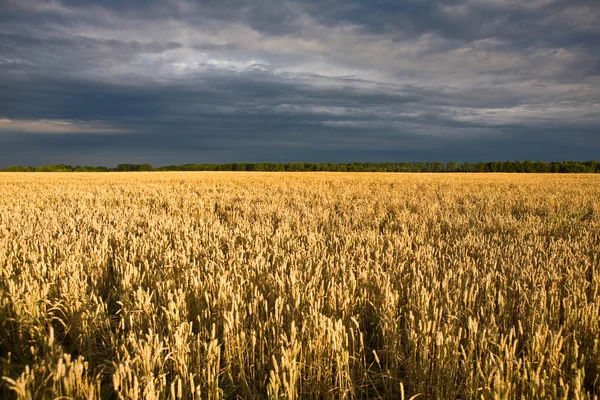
299,286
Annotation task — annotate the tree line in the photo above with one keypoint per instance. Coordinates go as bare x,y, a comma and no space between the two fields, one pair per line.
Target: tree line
591,166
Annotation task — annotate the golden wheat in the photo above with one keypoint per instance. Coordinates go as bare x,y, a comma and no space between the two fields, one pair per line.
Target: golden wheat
299,286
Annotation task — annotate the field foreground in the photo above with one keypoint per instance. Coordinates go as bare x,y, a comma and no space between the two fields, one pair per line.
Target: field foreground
299,286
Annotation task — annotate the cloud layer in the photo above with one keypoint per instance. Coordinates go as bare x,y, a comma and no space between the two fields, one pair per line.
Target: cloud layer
218,81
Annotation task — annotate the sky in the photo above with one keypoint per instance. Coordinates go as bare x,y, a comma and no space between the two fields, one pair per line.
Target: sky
180,81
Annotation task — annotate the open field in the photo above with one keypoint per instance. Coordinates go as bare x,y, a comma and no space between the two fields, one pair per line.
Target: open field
299,286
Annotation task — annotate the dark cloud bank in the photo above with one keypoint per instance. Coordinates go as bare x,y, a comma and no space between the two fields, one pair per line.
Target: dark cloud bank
179,81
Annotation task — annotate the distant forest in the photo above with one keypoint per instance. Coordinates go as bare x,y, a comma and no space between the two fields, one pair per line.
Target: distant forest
592,166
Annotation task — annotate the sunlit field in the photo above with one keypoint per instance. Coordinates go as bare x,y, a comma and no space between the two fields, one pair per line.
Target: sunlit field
299,286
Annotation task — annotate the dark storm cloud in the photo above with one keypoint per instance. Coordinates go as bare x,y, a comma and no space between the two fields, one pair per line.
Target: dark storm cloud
219,81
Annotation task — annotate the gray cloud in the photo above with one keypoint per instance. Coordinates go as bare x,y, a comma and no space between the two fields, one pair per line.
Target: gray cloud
184,81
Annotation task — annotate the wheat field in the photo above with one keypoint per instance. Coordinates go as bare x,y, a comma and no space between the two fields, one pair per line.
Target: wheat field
299,286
